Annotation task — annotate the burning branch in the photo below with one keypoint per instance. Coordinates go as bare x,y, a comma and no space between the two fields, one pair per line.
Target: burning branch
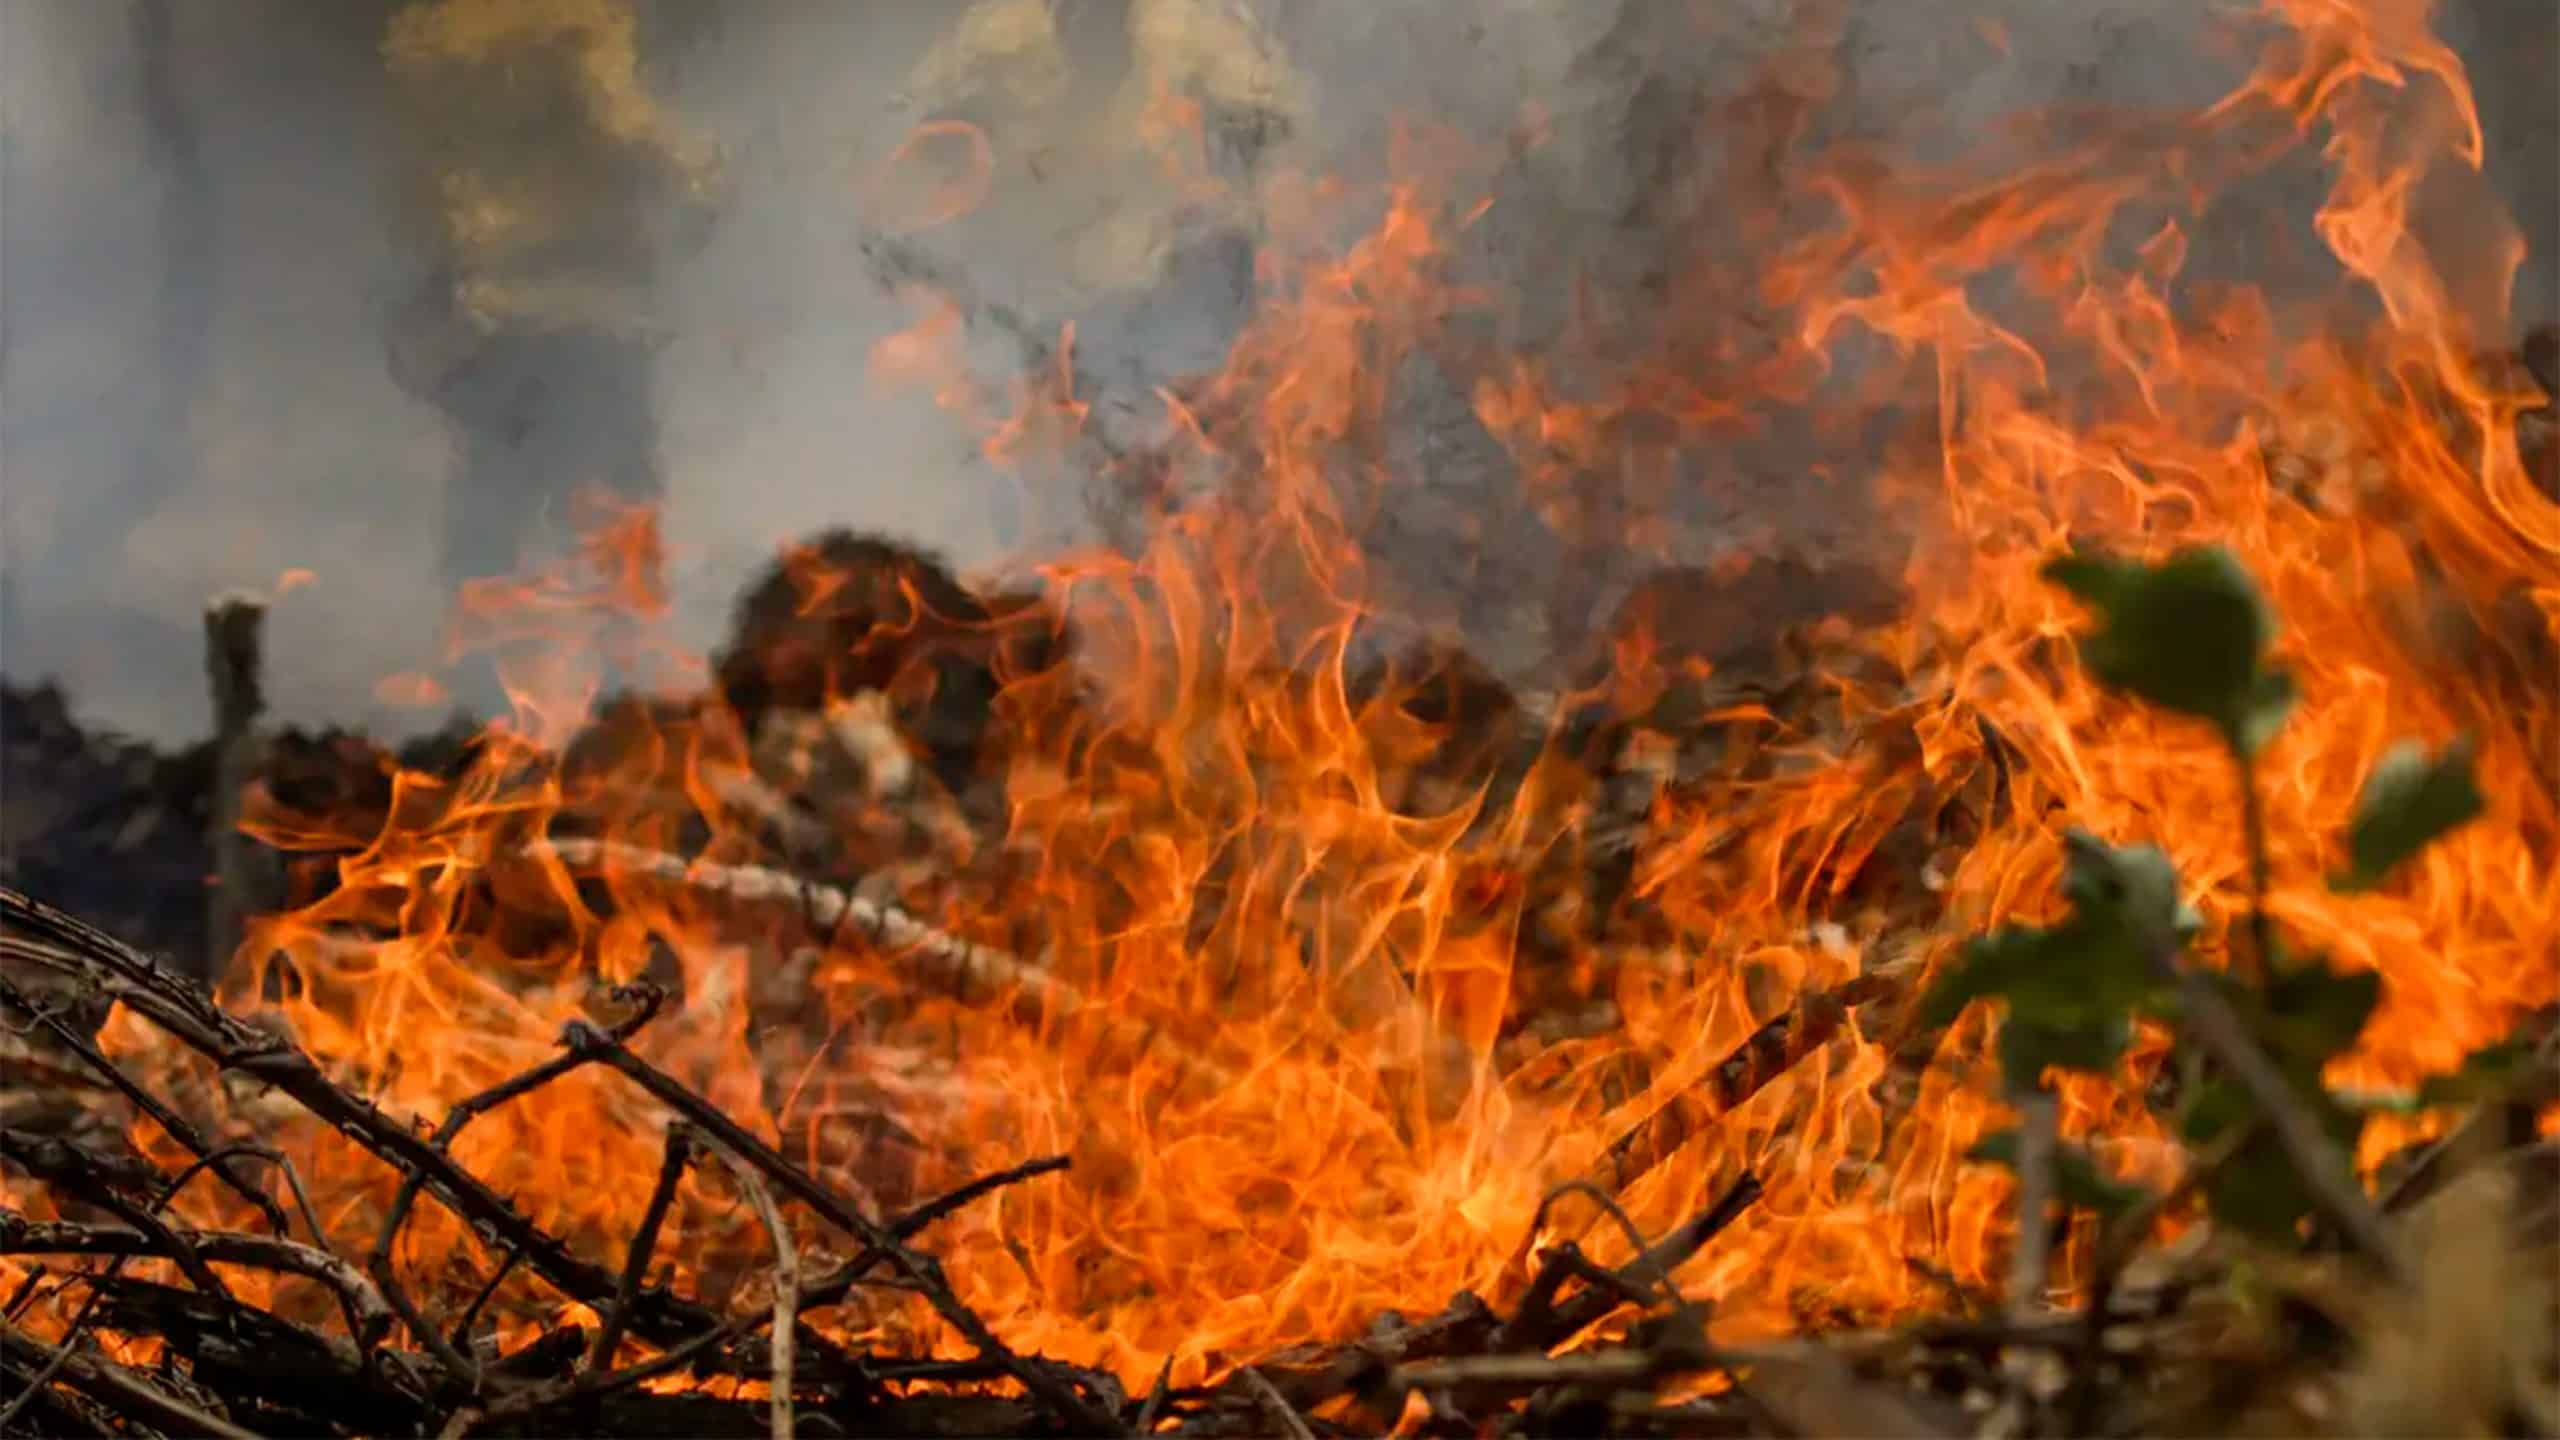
37,935
946,959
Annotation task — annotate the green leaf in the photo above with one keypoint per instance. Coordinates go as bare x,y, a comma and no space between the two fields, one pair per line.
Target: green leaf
2257,1191
2311,1013
2131,889
2409,801
2259,1194
2055,1016
2487,1074
2496,1072
1989,969
2077,1180
2263,712
2072,990
2189,634
2029,1046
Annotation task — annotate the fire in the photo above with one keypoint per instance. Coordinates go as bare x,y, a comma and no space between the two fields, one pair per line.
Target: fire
1286,967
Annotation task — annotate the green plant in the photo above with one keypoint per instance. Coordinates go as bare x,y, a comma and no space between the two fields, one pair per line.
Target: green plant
2191,634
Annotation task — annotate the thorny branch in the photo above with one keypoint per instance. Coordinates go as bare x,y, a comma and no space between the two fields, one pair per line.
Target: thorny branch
120,1389
37,935
364,1305
644,1245
921,1271
176,1125
1468,1348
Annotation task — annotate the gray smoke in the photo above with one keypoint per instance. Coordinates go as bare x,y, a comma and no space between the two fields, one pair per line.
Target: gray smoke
202,247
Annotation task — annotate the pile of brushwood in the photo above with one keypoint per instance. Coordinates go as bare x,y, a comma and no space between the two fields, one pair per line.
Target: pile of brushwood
117,829
2294,1300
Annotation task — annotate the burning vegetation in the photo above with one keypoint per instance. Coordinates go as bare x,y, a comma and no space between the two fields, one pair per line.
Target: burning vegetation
2071,949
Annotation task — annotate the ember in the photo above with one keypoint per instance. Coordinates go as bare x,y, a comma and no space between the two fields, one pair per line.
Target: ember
1277,975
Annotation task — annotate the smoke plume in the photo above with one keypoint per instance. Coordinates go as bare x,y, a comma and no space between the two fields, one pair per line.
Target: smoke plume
212,234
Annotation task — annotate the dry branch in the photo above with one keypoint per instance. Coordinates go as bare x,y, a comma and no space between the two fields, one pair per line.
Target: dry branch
120,1389
36,934
1771,1051
786,1290
920,1271
215,1331
367,1313
943,958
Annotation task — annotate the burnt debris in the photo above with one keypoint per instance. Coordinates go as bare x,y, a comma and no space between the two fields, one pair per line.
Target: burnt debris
850,612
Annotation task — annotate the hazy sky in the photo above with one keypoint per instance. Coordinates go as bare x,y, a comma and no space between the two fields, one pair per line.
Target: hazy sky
199,249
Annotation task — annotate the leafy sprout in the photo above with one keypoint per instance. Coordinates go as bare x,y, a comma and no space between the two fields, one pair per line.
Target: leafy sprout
2191,634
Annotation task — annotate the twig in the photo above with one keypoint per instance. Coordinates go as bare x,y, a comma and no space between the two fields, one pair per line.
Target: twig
1537,1371
1153,1405
2323,1167
666,1362
301,1196
80,1319
1277,1406
834,1287
1535,1315
949,960
119,1389
175,1124
2040,1114
1312,1375
2324,1170
2253,826
459,1366
26,1290
32,932
589,1385
786,1289
364,1305
231,654
2116,1248
1771,1051
1032,993
1536,1311
449,1351
648,1000
471,1313
54,1363
952,1201
644,1245
922,1271
1636,1243
1649,1270
60,1163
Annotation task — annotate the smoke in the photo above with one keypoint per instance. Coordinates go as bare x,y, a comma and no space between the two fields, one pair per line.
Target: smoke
192,257
205,245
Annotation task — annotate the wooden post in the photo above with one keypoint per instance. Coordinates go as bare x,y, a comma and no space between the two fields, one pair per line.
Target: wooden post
232,643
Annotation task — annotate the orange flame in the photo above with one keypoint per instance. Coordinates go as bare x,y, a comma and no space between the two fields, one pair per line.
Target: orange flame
1307,1023
948,198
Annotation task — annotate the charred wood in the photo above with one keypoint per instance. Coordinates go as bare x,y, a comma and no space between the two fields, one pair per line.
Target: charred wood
232,651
